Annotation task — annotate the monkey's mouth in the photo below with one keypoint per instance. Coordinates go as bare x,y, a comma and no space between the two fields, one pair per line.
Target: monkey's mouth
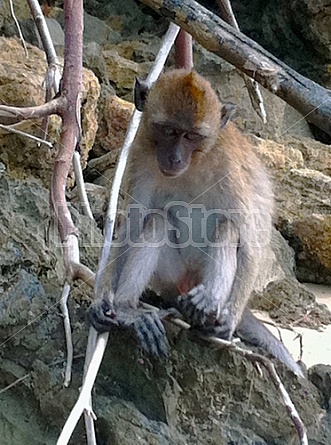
173,173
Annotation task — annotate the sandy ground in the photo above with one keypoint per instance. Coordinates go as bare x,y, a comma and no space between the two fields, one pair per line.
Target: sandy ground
316,344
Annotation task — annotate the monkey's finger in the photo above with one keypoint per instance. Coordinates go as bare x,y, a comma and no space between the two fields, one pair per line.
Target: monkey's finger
101,316
192,315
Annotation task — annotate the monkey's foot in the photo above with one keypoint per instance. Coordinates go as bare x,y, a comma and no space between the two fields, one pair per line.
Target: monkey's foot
146,326
202,312
198,308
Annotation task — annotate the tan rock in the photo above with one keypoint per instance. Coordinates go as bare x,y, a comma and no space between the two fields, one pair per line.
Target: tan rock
122,71
114,119
301,170
21,82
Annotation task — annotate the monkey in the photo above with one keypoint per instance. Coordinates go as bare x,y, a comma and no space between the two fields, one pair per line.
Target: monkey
200,214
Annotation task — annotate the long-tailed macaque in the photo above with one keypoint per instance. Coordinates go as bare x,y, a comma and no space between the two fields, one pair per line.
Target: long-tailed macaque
199,214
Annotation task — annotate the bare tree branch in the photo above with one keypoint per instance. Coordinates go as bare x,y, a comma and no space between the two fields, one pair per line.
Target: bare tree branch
309,98
184,50
70,113
12,115
18,27
24,134
251,85
44,34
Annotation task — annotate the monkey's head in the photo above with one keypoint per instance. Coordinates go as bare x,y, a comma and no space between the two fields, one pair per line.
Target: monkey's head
182,116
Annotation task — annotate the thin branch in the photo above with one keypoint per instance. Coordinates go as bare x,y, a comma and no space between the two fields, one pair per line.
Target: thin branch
14,383
81,186
43,31
12,115
269,366
26,135
255,358
70,136
18,27
67,330
52,76
251,85
85,394
309,98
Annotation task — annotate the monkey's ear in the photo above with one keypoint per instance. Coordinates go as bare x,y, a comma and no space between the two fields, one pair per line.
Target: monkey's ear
227,112
140,94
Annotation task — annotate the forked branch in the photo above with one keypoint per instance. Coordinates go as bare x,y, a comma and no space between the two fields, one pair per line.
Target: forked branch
309,98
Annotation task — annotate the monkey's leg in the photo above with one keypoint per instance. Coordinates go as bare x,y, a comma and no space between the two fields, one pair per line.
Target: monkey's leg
203,305
137,264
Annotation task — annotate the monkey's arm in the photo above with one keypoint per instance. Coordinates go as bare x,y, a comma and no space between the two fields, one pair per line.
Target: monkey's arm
133,268
205,304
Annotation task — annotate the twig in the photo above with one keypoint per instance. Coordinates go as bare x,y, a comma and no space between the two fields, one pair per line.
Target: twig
18,27
251,85
67,330
14,383
43,31
85,394
81,186
26,135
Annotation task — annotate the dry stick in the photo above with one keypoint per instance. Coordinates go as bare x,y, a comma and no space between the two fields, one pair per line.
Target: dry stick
11,385
26,135
309,98
52,76
43,31
12,115
80,185
18,27
184,50
93,361
251,85
67,330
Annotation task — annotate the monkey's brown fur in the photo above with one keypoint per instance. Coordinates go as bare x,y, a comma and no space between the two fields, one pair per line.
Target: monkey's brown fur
187,153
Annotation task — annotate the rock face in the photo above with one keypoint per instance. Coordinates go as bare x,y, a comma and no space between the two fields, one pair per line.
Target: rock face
301,169
298,32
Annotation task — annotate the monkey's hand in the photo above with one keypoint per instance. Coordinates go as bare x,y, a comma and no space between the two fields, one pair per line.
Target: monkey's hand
202,311
146,326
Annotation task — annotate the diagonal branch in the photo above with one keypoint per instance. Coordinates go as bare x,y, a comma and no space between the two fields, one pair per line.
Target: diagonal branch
12,115
309,98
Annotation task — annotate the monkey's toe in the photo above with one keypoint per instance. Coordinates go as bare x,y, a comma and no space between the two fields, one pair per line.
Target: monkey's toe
151,334
101,316
146,326
224,327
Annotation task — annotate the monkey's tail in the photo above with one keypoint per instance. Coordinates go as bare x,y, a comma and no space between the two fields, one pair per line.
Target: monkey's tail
253,331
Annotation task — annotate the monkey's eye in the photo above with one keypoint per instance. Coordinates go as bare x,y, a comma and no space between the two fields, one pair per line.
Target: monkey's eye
194,137
168,131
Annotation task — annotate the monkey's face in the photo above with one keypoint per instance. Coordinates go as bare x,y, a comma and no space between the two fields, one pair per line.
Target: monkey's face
174,147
